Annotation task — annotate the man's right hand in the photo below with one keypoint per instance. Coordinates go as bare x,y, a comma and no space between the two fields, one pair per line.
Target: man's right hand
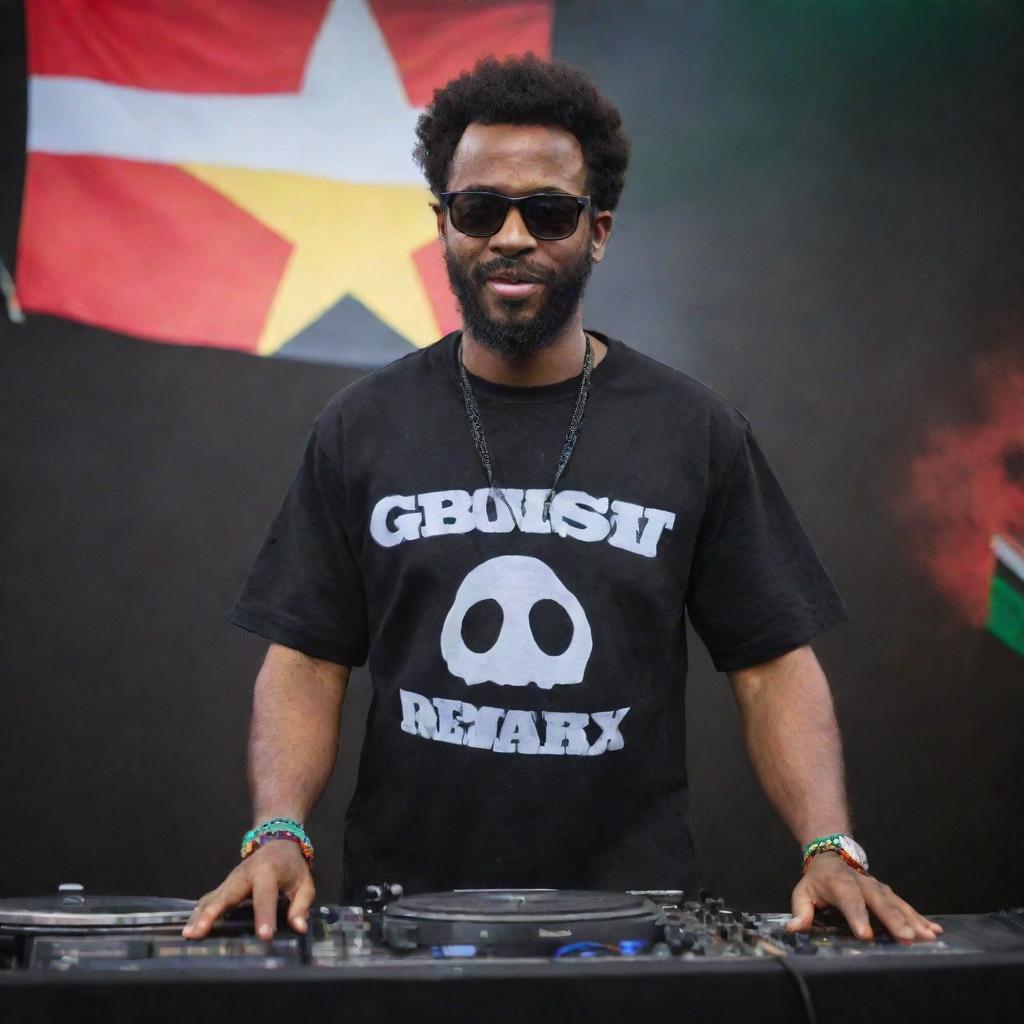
277,867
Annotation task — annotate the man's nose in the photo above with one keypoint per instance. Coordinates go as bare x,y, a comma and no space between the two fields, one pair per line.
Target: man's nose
512,237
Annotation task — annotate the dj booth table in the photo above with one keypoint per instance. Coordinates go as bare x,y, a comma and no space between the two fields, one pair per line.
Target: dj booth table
495,956
958,988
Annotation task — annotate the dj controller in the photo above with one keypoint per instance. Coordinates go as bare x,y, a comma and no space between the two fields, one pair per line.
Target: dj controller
605,955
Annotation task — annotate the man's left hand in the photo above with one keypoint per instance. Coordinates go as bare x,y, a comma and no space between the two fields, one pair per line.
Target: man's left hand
831,882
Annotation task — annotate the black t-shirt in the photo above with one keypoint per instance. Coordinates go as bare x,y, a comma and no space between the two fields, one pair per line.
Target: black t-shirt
527,721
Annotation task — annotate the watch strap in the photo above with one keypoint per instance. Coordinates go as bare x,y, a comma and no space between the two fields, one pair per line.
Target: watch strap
844,845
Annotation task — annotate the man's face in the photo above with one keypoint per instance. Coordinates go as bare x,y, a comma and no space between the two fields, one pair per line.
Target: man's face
516,291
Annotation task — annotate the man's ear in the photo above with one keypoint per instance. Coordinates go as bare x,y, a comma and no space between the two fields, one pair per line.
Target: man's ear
600,230
439,214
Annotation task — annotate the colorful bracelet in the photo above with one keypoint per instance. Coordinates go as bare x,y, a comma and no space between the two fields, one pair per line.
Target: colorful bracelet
829,844
248,849
277,828
276,825
268,826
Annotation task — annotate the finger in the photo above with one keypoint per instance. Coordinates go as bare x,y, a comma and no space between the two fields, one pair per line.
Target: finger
298,909
196,911
803,910
889,907
934,926
207,911
916,927
923,928
893,913
852,905
264,902
213,904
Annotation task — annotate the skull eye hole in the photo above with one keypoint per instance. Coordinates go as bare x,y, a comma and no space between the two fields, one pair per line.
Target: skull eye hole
551,627
482,625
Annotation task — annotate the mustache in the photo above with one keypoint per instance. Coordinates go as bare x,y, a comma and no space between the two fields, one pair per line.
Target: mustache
523,269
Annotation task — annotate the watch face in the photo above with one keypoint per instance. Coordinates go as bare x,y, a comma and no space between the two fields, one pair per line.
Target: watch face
855,850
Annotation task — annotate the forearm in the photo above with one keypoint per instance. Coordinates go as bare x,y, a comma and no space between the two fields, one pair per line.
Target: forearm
293,742
794,743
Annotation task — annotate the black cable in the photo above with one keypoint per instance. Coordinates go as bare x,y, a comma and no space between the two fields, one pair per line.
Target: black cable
801,984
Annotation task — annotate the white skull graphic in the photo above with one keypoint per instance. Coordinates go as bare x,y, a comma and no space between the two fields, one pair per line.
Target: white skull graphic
517,583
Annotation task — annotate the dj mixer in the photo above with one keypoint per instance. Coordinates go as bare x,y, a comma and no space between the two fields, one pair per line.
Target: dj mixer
647,941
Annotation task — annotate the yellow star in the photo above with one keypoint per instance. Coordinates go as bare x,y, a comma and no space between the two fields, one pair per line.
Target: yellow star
347,239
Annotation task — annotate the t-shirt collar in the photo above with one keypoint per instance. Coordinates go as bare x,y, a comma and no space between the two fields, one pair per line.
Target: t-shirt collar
542,393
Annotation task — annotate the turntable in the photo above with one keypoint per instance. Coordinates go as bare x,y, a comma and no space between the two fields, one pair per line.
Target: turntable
520,921
72,929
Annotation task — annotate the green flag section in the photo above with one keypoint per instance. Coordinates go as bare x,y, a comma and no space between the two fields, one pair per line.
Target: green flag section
1006,595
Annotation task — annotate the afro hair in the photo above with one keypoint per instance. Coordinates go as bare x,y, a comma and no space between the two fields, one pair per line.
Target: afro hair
526,90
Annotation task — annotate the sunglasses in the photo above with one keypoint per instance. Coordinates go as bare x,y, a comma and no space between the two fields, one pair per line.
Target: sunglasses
548,216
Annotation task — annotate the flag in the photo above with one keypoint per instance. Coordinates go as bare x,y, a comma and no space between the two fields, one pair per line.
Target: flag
1006,594
239,174
965,503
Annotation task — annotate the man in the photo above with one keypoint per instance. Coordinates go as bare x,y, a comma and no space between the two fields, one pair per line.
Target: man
511,524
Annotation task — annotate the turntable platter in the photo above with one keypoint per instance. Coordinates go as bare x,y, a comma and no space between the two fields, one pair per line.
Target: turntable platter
521,905
520,920
81,910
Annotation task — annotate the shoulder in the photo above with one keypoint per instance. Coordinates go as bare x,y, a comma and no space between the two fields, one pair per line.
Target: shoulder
370,398
673,395
389,381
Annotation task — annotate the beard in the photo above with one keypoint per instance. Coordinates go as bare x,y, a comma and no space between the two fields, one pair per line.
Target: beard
516,337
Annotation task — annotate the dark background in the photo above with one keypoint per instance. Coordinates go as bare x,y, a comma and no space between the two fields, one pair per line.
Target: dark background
824,221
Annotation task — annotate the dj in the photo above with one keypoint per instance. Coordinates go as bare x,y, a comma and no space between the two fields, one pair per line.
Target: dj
510,525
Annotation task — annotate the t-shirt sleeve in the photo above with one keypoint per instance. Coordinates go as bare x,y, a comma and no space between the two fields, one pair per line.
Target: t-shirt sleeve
305,589
757,587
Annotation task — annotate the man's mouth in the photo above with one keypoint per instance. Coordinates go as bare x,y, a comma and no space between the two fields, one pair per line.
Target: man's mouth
513,286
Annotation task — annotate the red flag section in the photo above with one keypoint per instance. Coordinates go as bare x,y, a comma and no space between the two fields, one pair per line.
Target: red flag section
435,40
430,264
102,250
241,46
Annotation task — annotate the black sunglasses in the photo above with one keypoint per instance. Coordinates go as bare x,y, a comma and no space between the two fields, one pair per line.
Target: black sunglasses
548,216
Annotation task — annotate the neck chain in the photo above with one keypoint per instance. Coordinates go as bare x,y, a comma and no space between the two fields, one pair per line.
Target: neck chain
476,427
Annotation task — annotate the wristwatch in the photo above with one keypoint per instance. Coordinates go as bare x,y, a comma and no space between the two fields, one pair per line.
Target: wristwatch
846,846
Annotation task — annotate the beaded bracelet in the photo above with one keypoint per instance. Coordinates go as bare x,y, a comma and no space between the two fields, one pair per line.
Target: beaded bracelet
828,844
277,828
292,829
276,825
268,826
249,848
